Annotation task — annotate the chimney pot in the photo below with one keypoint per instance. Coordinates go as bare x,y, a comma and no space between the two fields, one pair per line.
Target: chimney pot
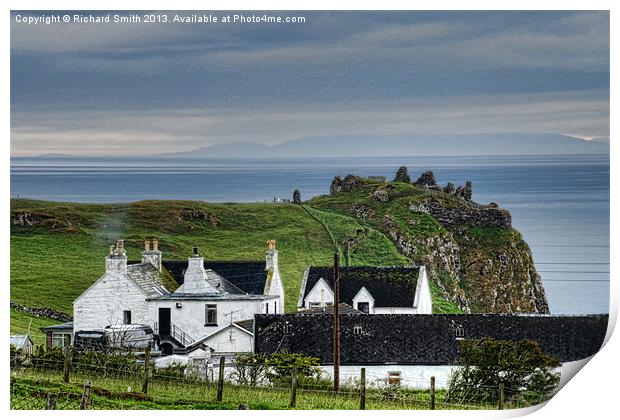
155,244
111,249
120,245
195,249
147,246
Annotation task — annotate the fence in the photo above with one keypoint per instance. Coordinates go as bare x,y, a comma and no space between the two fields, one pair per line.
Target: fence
94,382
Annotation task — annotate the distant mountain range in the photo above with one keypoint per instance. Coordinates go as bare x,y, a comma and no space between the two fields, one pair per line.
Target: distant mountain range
420,145
416,145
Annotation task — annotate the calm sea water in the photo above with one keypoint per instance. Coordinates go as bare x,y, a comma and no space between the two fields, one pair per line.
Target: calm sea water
559,203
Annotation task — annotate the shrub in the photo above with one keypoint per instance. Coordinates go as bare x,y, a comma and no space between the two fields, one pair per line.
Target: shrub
524,369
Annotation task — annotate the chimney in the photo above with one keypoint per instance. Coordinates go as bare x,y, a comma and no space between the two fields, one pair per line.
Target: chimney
153,257
116,262
195,278
273,285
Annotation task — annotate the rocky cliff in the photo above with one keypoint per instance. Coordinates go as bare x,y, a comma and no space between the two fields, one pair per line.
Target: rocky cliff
475,258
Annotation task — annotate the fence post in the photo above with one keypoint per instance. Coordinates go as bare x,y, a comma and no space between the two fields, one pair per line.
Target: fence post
145,379
85,402
294,387
51,401
66,368
432,402
363,389
220,381
500,405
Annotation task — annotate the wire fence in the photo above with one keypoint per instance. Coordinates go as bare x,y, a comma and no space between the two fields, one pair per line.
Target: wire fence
96,381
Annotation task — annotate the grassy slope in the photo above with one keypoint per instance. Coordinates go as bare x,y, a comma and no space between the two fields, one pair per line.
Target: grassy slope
22,324
55,260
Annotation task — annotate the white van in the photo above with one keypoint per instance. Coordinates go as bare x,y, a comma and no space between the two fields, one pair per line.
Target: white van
135,336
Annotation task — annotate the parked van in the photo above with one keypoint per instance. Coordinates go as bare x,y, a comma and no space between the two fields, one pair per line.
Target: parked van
134,336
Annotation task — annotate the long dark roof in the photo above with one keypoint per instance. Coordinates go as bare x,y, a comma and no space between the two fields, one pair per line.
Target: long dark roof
423,339
389,286
249,276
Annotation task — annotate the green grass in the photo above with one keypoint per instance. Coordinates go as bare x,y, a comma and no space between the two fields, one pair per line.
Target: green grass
112,393
25,324
55,260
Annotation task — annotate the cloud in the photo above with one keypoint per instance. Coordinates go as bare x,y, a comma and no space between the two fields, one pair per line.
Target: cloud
173,130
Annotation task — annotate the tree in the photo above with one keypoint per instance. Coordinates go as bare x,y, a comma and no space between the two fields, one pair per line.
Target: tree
524,369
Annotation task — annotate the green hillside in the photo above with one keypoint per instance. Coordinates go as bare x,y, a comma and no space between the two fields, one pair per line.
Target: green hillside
58,249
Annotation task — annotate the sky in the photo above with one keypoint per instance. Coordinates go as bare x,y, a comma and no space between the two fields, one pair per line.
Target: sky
137,88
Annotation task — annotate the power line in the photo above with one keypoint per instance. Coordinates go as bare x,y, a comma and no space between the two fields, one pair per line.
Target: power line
572,263
578,280
572,271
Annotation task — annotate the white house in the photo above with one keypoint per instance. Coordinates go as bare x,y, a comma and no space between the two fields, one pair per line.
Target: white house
211,299
372,290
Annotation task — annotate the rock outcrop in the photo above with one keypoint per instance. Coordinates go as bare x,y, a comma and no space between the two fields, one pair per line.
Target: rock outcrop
402,175
475,259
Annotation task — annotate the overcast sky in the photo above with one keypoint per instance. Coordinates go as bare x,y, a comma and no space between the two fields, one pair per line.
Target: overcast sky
97,89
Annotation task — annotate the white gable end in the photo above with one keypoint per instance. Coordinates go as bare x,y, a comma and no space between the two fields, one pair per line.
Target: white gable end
103,303
364,296
320,295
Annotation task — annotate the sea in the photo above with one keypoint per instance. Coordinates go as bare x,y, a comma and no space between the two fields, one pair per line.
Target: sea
560,203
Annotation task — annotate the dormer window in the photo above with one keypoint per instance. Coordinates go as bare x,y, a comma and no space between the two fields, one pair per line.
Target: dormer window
286,328
357,329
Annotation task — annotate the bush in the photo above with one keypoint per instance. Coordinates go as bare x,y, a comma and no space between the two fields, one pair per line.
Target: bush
524,369
256,369
250,369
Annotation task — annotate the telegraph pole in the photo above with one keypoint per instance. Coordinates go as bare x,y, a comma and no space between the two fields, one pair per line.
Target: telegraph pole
336,322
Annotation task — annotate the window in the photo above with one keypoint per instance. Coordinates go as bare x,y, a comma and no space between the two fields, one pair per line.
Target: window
459,332
267,308
126,317
315,304
61,340
393,378
357,329
363,307
210,314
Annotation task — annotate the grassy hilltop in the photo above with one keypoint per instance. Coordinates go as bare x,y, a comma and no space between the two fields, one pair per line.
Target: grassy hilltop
58,249
475,263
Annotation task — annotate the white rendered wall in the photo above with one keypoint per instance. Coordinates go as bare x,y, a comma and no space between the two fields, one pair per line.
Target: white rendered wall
364,296
191,316
273,285
394,310
104,302
231,340
417,376
423,299
321,293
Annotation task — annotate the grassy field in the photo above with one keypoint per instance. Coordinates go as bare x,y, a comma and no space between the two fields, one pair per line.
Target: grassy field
61,250
119,393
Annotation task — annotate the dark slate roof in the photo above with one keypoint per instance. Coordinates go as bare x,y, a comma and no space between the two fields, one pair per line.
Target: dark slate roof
249,276
329,309
64,326
246,324
390,286
424,339
147,278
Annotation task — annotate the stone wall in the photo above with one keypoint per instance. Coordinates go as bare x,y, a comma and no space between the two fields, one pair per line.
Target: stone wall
42,312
